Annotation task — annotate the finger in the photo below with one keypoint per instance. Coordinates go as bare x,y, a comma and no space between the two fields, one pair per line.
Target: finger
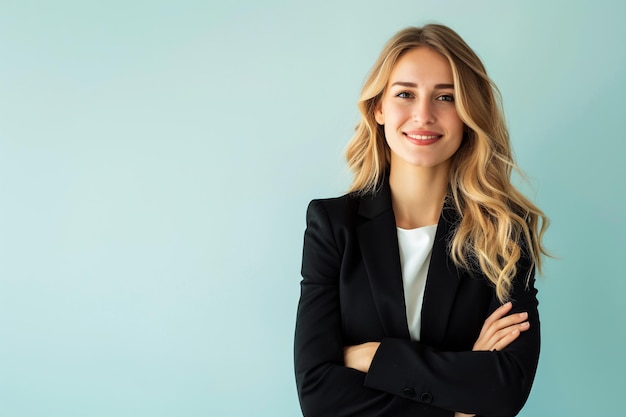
511,320
507,340
499,312
495,341
521,327
507,336
503,323
497,322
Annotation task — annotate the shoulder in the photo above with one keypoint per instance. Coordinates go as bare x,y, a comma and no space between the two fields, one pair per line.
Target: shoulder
330,225
337,217
350,210
334,207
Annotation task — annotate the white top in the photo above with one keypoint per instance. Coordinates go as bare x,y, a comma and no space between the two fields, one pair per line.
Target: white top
416,246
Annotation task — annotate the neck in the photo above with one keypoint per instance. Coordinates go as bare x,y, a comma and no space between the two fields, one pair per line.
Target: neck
417,194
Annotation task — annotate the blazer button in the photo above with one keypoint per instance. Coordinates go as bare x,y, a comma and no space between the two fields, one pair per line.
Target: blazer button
409,392
426,397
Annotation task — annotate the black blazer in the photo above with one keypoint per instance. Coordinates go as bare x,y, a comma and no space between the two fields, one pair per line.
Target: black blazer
351,293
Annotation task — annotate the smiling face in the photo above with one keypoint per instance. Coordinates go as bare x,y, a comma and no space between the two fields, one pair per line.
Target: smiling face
422,126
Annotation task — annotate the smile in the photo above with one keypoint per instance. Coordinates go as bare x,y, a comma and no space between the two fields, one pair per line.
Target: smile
423,137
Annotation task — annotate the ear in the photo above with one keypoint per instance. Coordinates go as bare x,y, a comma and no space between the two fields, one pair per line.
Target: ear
378,114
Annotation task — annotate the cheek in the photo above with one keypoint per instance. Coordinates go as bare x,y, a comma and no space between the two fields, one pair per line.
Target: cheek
389,132
454,122
397,116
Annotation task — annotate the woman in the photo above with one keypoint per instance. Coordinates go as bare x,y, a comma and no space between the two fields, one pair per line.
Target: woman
418,293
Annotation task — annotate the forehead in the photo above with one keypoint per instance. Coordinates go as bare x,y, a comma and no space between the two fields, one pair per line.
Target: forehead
422,64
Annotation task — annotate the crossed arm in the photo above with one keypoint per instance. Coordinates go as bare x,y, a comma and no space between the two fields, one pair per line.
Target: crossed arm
498,331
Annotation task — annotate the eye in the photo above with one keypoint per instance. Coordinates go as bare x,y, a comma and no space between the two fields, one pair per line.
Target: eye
446,97
404,94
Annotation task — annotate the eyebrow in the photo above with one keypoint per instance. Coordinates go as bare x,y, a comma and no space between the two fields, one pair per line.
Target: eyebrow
413,85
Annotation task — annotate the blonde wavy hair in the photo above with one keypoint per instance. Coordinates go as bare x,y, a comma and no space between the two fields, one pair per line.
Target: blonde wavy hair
499,226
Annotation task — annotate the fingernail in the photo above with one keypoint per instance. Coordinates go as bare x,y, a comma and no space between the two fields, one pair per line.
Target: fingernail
523,315
525,324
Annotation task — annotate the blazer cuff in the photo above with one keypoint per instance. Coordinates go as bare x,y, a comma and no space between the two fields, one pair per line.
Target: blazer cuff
388,373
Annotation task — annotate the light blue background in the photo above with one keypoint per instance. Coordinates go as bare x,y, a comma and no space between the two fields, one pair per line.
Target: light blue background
157,157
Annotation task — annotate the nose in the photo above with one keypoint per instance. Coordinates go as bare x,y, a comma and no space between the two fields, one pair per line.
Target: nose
423,112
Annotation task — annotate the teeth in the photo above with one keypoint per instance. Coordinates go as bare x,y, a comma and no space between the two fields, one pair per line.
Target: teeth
422,137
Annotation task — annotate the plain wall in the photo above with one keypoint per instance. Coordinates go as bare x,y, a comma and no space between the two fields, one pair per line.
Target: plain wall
157,157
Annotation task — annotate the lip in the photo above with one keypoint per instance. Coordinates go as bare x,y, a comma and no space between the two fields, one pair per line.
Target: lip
422,137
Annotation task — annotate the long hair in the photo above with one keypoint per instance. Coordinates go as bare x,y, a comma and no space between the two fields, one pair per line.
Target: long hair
499,226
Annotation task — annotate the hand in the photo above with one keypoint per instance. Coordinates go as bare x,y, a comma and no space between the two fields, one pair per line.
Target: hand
500,330
360,357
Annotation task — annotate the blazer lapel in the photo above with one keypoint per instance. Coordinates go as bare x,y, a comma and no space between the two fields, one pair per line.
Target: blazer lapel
441,283
378,240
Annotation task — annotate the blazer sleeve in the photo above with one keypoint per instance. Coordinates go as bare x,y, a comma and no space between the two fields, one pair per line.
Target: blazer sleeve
325,386
482,383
